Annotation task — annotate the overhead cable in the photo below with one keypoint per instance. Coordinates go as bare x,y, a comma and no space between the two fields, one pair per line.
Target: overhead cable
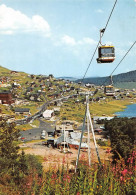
120,61
99,41
123,58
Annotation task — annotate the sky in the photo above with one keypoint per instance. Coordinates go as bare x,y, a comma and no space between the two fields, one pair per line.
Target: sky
59,37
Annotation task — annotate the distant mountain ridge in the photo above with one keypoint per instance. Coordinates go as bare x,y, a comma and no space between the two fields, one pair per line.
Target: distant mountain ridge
120,78
67,78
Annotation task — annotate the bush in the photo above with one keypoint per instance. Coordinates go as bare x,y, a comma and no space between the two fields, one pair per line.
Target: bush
33,164
101,143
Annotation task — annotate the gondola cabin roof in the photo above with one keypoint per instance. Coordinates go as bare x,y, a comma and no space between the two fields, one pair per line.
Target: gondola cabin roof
105,46
109,86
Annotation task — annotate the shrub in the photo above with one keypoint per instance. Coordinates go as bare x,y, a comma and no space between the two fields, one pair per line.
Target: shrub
101,143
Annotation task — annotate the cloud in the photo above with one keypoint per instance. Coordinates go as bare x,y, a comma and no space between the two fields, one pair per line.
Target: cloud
70,41
99,11
87,40
13,21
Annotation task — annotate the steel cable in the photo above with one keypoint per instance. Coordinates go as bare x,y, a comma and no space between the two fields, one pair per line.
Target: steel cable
99,41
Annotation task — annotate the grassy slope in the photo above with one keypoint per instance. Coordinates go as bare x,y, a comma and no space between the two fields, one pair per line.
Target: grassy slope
126,85
4,70
72,111
108,108
6,110
69,110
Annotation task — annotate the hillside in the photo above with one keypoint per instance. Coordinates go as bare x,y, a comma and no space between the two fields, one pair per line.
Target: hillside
120,80
4,70
32,91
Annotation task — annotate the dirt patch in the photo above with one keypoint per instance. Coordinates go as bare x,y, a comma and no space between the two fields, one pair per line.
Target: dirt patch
54,158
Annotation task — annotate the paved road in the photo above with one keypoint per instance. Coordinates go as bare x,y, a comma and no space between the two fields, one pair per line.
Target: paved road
39,113
36,115
31,134
34,134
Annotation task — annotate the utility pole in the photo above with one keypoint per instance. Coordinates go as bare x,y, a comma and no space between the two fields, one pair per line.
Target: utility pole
89,124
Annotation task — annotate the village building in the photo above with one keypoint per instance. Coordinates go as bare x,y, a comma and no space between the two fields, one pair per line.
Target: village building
56,109
6,97
67,122
98,131
88,85
24,111
16,85
47,114
59,129
58,103
51,76
95,118
72,88
13,72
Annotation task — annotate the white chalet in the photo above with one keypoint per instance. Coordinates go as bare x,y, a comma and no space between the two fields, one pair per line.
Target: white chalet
48,114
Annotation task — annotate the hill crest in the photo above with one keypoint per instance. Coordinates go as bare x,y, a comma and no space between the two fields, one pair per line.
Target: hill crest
120,78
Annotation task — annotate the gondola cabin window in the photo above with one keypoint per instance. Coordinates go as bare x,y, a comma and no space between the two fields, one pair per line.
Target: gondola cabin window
109,51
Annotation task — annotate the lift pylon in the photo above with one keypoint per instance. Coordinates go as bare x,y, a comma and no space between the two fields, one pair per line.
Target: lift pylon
87,118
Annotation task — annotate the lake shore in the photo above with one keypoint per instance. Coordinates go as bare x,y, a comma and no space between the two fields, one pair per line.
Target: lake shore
129,111
109,108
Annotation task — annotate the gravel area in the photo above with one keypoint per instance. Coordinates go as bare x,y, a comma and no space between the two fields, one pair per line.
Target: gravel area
54,157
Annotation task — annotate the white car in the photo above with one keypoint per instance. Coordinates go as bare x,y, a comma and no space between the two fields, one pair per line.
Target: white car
43,134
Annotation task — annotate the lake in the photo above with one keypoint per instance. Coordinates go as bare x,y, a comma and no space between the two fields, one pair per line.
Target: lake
129,111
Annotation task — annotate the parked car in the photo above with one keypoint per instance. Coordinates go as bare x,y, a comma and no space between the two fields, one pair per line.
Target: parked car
43,134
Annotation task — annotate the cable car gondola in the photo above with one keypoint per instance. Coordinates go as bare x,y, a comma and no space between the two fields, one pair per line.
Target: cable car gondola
106,54
109,90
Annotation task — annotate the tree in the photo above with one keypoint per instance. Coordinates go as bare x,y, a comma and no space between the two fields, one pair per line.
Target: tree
8,147
122,136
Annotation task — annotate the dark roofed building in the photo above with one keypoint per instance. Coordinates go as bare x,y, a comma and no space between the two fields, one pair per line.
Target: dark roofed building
22,111
51,76
72,88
